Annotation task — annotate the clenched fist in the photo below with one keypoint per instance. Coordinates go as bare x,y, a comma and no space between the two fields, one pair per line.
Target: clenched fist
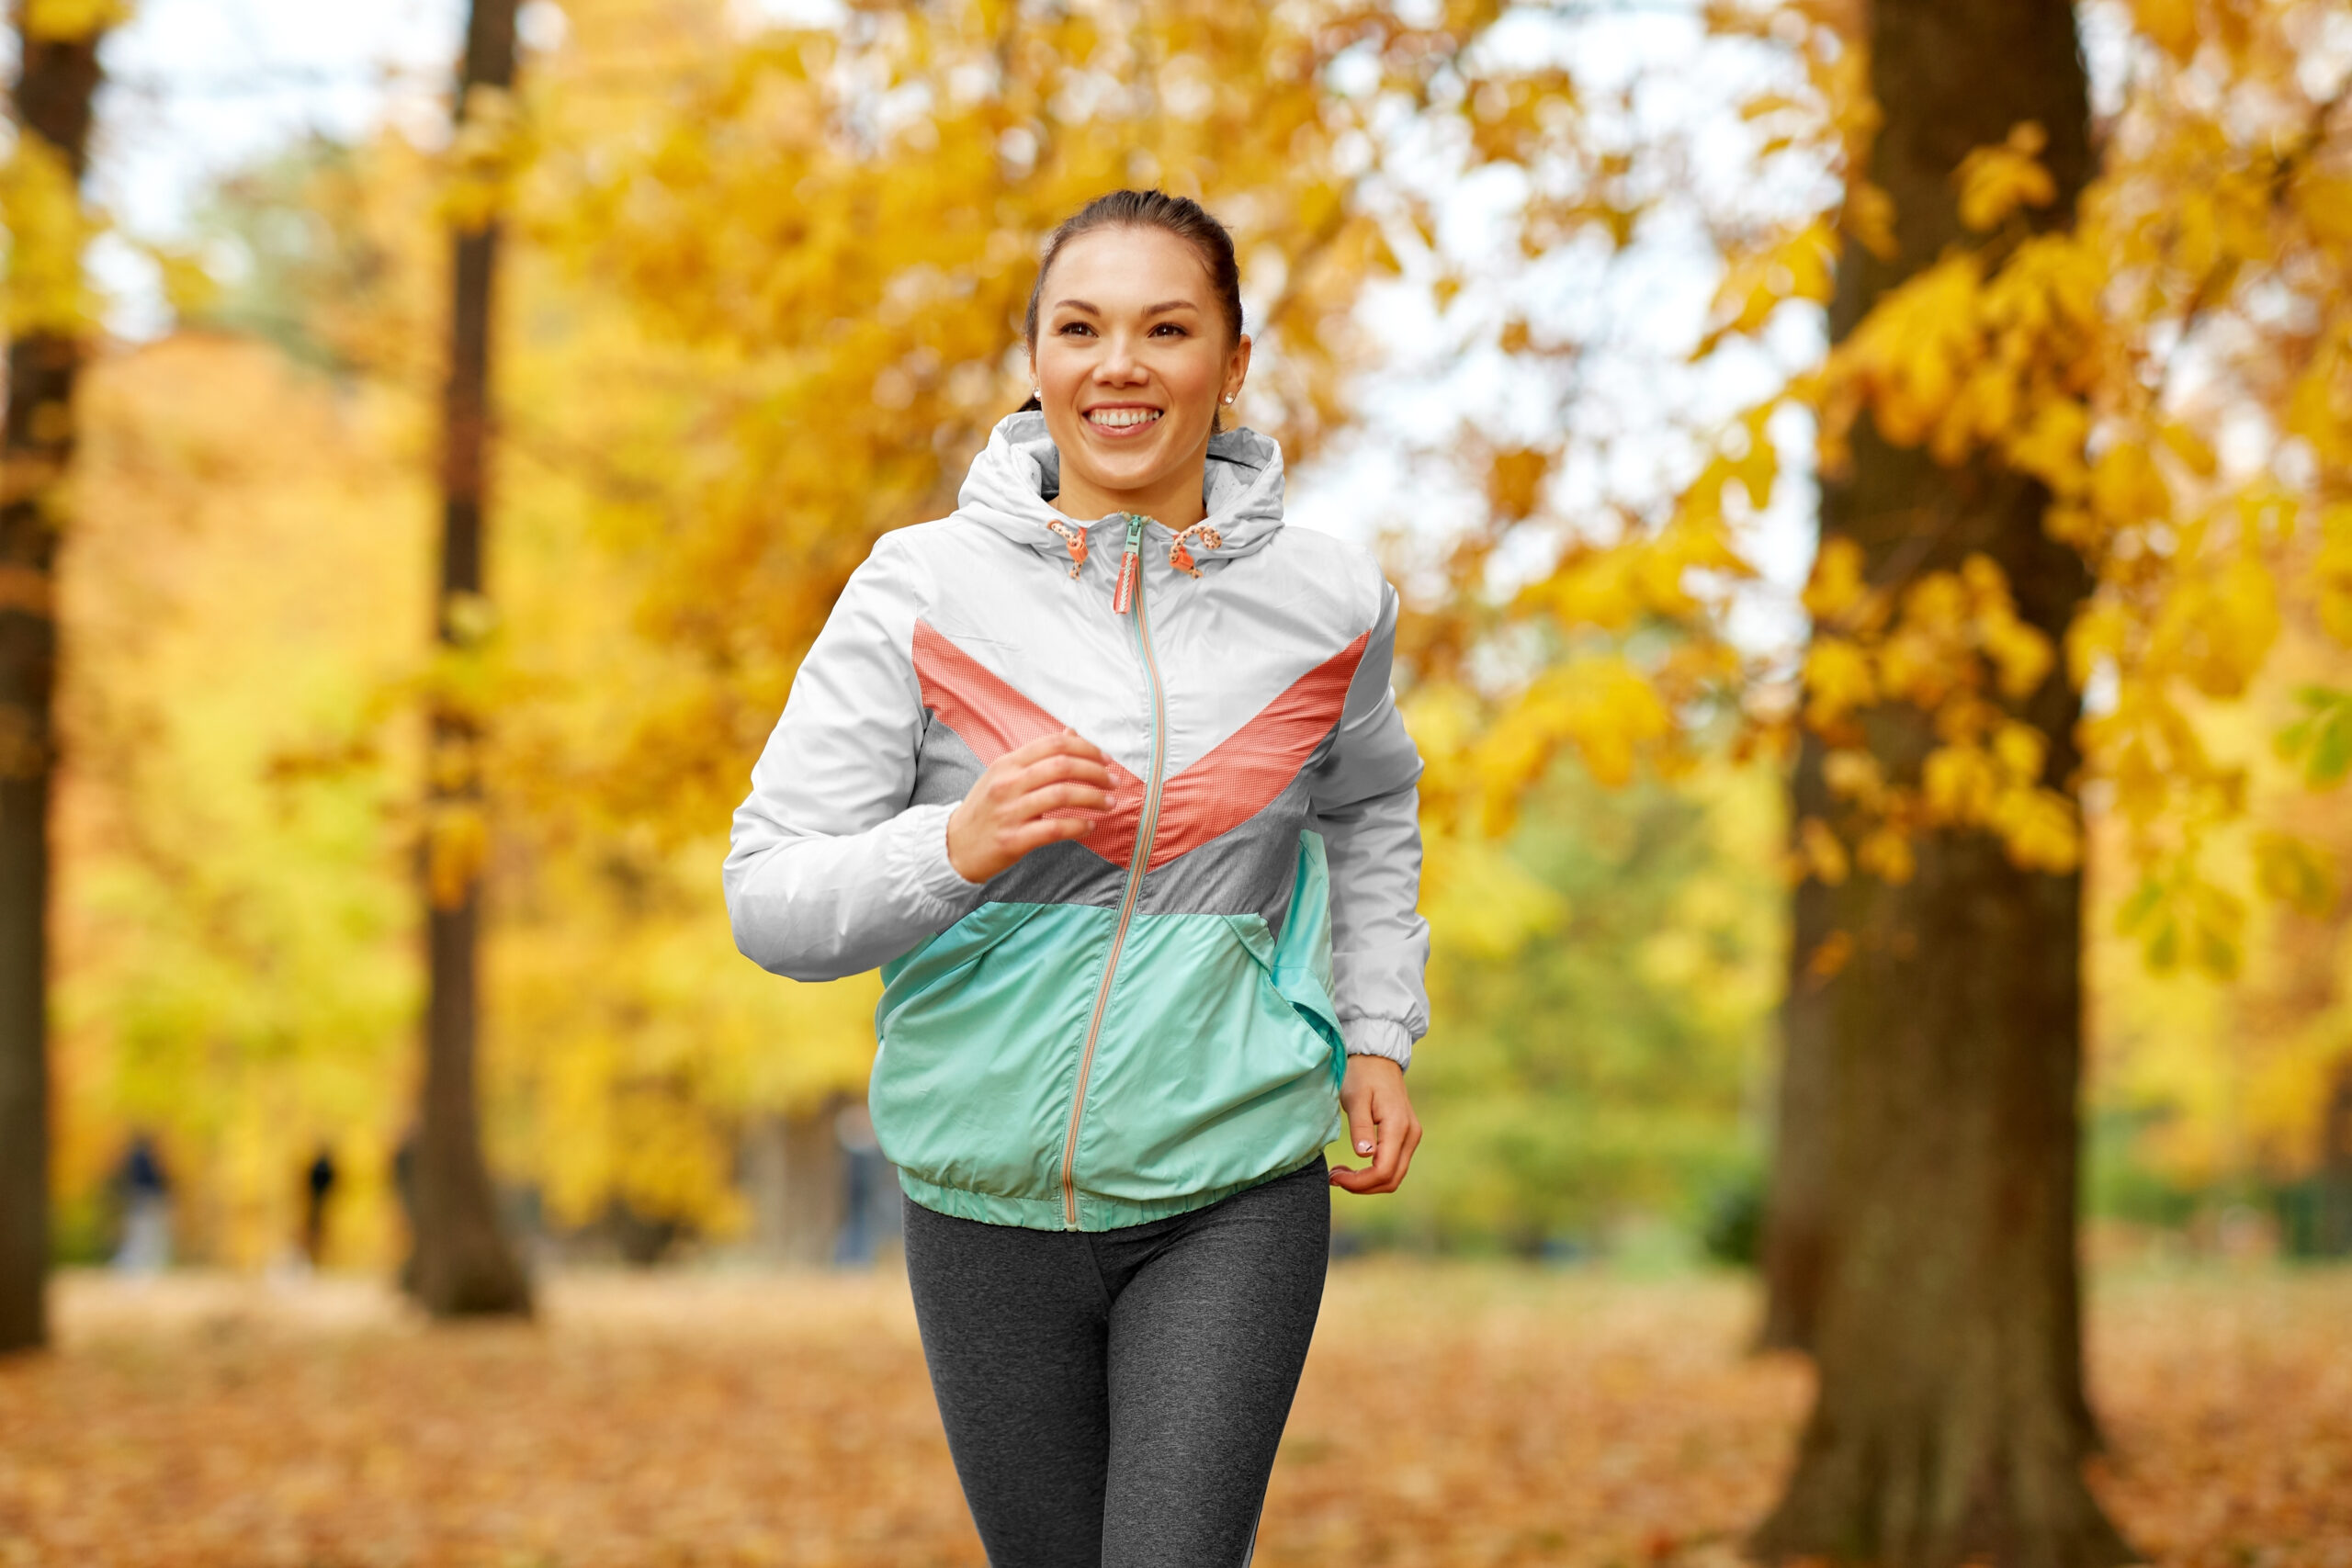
1045,792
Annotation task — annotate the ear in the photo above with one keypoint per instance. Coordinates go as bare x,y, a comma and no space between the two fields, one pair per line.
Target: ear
1237,368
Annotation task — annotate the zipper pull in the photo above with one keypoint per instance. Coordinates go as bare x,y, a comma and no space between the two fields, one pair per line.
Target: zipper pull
1130,567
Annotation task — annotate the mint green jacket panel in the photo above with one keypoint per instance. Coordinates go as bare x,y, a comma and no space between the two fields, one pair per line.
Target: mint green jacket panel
1206,1076
1217,1066
980,1030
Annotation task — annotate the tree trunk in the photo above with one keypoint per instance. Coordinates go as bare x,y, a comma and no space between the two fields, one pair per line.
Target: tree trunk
2331,1183
56,80
1951,1422
1796,1219
463,1264
792,1171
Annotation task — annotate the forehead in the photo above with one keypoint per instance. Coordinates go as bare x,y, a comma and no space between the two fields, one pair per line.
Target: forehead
1130,265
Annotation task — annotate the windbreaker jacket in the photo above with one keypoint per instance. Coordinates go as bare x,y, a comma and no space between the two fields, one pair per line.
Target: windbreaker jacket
1141,1021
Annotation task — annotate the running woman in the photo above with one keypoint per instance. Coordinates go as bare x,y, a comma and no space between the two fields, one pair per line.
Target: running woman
1105,772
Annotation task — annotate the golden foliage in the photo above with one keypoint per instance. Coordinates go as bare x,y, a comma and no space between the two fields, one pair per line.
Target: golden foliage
233,948
68,20
764,300
48,230
1997,181
2067,355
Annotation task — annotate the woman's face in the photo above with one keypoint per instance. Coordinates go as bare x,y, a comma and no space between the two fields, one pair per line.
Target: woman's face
1132,360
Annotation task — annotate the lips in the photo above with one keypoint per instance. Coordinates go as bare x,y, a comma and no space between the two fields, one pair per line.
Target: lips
1122,421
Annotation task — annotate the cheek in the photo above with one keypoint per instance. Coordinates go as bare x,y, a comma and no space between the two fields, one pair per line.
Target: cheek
1193,381
1055,365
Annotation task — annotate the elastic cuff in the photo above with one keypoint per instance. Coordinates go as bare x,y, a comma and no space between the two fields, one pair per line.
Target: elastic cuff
1378,1037
921,860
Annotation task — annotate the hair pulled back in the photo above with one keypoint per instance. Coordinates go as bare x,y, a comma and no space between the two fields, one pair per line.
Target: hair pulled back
1180,216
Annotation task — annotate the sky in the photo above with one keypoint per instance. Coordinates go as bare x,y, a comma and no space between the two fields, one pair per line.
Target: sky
199,88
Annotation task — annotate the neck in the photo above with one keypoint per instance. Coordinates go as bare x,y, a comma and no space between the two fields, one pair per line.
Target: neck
1176,503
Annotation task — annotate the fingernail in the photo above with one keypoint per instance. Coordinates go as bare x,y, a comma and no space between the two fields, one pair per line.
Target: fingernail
1364,1145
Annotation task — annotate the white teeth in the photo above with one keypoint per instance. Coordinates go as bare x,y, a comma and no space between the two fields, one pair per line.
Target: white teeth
1123,419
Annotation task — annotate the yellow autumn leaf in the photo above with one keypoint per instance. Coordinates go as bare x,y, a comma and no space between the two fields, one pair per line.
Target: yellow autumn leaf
1854,775
2171,25
1997,181
1836,584
1959,783
68,20
1824,857
2100,630
2020,749
2040,829
2292,871
1837,680
1886,854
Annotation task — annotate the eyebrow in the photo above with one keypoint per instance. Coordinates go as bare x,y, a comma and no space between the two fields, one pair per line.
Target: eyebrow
1150,310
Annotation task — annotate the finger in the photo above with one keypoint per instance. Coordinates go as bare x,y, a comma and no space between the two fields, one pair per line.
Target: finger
1412,1141
1386,1168
1400,1132
1058,800
1063,743
1062,769
1349,1178
1363,1133
1044,831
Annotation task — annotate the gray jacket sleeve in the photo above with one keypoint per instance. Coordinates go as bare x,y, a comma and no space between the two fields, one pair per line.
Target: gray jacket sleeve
829,871
1368,812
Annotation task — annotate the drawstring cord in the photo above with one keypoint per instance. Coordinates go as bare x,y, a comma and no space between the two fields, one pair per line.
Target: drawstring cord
1181,558
1178,555
1075,540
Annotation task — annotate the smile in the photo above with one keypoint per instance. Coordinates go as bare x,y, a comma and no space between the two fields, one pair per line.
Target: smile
1122,422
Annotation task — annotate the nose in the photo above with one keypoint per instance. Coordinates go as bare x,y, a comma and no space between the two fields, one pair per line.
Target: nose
1119,365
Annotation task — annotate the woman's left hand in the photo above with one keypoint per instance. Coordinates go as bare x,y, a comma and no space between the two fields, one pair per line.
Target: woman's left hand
1380,1123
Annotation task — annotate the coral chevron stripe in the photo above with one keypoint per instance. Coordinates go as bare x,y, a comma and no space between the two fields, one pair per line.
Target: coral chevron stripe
992,718
1256,763
1232,784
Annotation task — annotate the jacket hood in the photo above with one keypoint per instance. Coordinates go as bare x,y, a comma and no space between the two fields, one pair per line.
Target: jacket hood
1016,476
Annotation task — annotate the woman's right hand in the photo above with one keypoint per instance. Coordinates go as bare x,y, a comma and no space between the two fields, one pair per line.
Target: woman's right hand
1038,794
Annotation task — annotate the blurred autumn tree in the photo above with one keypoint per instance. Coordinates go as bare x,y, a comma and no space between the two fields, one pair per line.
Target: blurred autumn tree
2092,408
2083,430
47,327
1600,1030
463,1264
234,938
721,241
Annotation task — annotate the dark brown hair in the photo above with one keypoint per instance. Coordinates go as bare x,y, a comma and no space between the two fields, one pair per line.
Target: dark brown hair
1180,216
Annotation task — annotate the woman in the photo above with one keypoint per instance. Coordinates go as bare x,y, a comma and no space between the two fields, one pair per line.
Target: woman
1103,771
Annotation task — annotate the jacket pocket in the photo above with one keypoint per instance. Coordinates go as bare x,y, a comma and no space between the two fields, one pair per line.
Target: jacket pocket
1208,1076
980,1031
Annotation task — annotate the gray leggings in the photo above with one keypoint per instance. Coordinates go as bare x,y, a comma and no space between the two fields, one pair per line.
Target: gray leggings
1114,1399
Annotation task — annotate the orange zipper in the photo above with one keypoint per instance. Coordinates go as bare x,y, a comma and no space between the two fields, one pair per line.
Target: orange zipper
1127,593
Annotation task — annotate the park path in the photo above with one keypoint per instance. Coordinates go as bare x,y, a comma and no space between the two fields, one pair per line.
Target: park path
1452,1414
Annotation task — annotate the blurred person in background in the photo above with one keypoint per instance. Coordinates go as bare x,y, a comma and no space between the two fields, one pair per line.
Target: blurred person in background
869,1202
318,1187
1103,771
146,1209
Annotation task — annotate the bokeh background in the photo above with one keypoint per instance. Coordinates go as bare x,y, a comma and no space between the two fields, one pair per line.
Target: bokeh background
722,366
1555,309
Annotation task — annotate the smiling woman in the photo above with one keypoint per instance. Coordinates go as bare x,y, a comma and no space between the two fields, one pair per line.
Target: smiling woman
1135,849
1138,347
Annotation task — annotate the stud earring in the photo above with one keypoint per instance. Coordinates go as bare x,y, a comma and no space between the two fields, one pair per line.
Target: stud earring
1228,398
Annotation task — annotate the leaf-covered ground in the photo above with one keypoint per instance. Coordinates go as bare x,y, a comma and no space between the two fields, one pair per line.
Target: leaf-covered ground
1450,1415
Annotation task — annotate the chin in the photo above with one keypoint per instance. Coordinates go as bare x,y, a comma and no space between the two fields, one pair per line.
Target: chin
1127,467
